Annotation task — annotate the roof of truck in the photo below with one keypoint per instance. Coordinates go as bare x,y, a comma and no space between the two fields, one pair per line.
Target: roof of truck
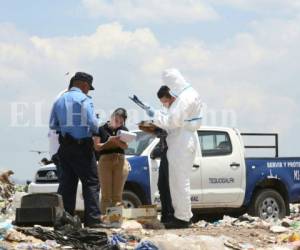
201,128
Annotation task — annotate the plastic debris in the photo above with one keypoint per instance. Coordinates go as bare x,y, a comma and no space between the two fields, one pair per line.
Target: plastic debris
278,229
131,225
123,241
14,236
146,245
173,241
295,224
47,245
7,190
151,224
294,237
5,226
85,239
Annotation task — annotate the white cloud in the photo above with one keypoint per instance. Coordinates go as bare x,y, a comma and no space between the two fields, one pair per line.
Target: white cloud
262,6
183,11
109,40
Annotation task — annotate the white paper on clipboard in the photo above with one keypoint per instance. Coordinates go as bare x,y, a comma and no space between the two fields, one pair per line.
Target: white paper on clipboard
126,136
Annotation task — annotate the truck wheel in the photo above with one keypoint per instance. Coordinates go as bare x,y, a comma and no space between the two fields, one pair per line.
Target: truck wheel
268,204
131,200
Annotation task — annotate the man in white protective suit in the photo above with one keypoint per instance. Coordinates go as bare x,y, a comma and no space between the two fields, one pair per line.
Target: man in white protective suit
181,121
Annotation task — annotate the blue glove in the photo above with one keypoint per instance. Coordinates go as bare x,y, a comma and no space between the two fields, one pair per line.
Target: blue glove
150,111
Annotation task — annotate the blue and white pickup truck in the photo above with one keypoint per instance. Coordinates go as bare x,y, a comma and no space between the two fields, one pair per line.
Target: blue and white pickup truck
223,179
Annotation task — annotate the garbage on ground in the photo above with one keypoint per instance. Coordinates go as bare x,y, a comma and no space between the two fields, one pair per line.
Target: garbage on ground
14,236
151,224
233,244
120,217
131,225
278,229
5,226
122,241
146,245
170,241
140,229
294,209
114,216
7,190
79,239
119,213
47,245
141,212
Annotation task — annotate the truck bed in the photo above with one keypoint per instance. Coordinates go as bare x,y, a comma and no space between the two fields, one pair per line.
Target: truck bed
280,170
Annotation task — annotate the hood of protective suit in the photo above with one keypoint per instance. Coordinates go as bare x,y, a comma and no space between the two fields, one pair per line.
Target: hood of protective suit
174,80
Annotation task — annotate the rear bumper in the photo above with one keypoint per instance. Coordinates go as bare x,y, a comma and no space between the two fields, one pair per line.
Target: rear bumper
35,188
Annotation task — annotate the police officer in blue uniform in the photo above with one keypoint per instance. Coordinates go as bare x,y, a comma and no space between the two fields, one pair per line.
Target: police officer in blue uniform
73,117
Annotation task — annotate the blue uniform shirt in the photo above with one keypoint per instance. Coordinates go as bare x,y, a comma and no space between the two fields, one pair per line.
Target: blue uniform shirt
73,113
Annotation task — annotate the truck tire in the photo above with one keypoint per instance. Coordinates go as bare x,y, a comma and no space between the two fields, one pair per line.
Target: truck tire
131,200
268,204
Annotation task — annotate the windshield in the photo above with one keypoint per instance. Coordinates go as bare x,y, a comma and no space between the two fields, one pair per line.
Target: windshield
141,142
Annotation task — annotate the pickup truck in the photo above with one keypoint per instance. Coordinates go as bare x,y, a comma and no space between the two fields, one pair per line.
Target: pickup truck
223,179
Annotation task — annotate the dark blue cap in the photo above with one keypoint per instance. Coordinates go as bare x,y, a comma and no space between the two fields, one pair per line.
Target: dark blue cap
82,76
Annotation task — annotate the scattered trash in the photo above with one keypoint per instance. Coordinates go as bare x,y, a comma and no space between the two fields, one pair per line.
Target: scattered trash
4,227
86,239
278,229
146,245
140,229
131,225
247,246
143,212
201,224
294,237
172,241
295,224
286,222
151,224
14,236
123,241
7,190
47,245
113,217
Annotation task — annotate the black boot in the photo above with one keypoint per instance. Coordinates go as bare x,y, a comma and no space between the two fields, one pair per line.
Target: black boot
177,224
166,218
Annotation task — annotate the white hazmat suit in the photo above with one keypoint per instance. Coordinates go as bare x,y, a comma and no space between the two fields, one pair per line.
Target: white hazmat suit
181,121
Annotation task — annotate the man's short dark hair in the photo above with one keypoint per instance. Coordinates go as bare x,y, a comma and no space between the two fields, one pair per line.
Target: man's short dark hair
164,91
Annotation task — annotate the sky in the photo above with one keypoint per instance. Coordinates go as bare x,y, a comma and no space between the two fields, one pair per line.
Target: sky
242,56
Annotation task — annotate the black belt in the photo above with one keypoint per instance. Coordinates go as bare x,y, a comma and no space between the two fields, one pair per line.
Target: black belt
82,141
68,139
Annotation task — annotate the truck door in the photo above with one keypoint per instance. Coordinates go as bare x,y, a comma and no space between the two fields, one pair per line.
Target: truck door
196,190
222,168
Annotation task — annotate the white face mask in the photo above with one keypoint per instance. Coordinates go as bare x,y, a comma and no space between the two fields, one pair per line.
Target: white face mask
165,105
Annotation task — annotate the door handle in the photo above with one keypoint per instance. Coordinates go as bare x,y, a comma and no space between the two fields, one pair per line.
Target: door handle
235,164
196,166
